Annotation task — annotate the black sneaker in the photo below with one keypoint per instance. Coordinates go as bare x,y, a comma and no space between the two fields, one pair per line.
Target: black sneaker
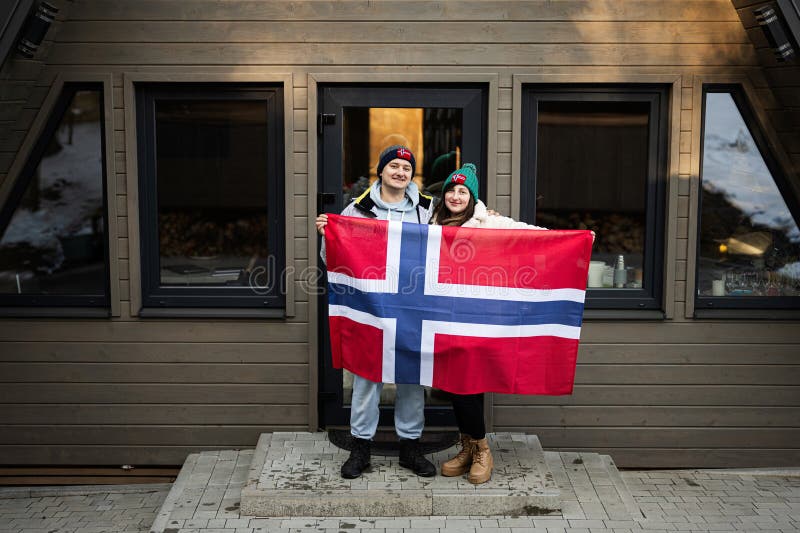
411,457
358,460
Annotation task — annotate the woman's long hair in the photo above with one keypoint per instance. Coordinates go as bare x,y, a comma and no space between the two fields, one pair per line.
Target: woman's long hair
442,215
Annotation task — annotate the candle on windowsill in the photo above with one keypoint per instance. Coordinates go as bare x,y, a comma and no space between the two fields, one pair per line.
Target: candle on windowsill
718,287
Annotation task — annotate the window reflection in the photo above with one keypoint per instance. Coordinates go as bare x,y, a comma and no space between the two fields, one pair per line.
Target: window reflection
433,134
592,168
749,241
55,240
211,167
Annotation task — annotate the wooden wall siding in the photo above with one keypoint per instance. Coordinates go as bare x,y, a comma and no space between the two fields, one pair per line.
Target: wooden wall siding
347,11
783,80
150,401
651,393
662,405
21,94
688,131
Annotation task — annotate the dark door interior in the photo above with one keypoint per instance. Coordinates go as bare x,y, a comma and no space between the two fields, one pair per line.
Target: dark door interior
445,127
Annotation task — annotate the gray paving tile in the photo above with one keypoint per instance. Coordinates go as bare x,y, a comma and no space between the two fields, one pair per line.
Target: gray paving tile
700,501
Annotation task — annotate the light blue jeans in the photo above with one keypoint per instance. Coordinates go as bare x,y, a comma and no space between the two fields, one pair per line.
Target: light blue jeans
409,409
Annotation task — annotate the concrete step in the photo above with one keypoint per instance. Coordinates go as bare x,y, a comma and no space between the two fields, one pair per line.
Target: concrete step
592,487
208,486
297,474
209,490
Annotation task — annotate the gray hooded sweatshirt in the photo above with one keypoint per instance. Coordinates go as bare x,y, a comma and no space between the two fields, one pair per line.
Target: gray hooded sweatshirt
372,206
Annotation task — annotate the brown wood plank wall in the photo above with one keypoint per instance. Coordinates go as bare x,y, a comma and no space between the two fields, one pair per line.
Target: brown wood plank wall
661,405
784,82
650,393
21,94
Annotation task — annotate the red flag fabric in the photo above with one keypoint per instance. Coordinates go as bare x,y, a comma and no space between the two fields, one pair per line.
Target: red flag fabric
460,309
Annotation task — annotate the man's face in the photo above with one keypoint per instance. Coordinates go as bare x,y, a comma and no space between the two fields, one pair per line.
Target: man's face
396,174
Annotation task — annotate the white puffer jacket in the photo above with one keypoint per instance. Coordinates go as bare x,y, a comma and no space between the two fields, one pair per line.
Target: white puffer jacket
481,219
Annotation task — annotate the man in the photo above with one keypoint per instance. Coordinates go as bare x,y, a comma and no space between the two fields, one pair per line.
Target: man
392,197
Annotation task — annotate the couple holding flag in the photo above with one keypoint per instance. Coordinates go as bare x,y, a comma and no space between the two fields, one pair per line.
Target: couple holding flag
467,328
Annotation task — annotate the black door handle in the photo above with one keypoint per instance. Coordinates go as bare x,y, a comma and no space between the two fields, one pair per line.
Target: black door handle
324,198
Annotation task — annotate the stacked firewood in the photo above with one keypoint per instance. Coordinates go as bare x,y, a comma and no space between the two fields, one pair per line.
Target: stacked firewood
616,232
196,234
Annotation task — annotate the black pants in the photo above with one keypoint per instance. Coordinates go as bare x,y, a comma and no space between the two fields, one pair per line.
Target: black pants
469,414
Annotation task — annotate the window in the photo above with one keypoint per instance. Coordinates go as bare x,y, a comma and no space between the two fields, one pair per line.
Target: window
594,158
211,192
749,243
53,245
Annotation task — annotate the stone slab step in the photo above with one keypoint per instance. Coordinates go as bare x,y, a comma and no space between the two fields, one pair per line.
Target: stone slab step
208,486
592,487
297,474
206,495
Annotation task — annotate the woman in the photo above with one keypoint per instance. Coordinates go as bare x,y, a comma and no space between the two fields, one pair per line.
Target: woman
460,206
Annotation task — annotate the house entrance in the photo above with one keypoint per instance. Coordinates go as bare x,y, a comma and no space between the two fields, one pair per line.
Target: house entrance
444,126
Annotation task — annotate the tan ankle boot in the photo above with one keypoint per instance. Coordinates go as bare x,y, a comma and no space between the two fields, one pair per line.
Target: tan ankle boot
459,464
482,463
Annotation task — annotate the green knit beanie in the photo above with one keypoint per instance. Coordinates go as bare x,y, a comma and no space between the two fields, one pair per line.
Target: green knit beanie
466,176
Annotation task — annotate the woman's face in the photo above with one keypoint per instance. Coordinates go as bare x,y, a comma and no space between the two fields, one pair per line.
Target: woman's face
457,199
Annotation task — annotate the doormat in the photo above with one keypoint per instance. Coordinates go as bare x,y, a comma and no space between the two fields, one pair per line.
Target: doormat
386,442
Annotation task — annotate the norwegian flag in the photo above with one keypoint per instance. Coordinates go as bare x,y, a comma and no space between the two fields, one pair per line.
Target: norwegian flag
459,309
403,154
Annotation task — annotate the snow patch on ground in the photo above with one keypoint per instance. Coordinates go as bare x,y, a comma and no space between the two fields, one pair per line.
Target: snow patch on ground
75,173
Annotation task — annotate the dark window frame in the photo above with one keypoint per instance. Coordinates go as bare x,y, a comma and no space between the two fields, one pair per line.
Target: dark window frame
703,304
333,98
650,298
33,304
155,296
472,97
